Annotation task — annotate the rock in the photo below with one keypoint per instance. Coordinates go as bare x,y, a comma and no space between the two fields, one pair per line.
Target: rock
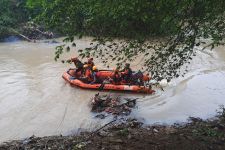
80,145
135,124
155,130
103,133
170,130
115,140
26,141
101,116
129,136
116,147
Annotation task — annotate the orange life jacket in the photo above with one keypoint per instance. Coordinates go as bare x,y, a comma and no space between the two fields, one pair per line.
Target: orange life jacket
146,78
88,74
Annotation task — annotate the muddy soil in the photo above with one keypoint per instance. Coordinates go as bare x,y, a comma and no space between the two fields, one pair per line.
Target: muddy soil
131,134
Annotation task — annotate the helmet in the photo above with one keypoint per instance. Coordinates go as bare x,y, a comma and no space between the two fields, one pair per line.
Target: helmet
94,68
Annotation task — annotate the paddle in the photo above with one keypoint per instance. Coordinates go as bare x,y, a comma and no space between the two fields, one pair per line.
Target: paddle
101,87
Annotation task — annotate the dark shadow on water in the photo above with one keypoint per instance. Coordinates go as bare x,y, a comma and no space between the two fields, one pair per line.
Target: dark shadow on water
11,39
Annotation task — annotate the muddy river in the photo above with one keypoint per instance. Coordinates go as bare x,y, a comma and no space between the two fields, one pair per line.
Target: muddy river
35,100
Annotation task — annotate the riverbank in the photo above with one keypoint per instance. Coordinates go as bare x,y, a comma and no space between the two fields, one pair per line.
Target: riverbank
131,134
28,31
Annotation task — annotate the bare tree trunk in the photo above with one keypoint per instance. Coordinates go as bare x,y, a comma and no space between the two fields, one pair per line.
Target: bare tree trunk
23,36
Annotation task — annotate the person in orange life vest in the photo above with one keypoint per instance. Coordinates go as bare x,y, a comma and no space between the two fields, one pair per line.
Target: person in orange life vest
116,76
87,73
127,73
95,76
79,65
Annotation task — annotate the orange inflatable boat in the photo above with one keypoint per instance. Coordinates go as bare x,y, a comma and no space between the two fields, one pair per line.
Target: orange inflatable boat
105,74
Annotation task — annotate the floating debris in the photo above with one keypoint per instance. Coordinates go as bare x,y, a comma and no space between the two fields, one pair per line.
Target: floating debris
112,105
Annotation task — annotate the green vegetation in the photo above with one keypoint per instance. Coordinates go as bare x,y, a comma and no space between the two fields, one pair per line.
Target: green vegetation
127,18
12,14
176,27
181,24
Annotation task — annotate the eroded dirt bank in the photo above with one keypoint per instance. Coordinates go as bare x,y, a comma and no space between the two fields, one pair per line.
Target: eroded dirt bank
131,134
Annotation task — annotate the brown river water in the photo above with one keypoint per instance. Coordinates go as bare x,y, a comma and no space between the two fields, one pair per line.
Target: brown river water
35,100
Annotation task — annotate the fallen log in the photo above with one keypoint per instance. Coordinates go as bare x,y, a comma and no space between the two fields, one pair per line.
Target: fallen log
23,36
